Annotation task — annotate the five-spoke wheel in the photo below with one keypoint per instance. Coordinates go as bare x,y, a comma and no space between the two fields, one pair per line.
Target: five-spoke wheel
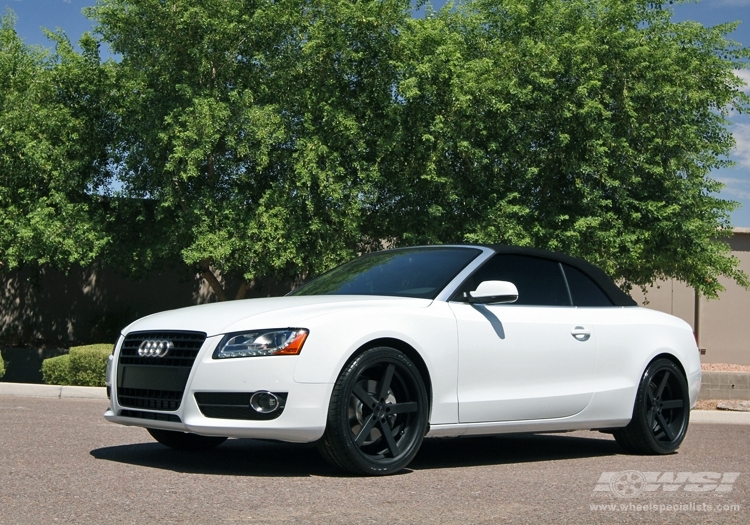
661,411
378,414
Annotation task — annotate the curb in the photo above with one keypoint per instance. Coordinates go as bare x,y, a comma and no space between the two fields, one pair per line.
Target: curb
52,391
719,417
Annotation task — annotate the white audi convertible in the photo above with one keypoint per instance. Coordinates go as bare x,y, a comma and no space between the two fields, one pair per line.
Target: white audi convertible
371,357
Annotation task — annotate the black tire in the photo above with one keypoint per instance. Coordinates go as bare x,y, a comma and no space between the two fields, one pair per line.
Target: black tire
185,440
661,412
378,414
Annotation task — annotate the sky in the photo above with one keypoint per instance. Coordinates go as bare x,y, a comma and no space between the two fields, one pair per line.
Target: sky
66,14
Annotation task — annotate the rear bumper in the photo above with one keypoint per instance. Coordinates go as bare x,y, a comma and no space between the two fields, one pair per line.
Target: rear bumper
694,385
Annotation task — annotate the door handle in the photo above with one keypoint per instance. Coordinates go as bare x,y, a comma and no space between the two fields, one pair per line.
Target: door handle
580,333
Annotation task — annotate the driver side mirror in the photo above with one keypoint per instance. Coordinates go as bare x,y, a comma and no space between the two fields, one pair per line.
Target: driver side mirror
494,292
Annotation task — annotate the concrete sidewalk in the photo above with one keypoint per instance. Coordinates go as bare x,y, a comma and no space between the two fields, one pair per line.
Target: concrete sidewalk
716,417
52,391
721,417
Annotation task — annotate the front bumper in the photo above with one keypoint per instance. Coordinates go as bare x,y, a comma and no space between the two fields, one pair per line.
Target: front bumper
302,420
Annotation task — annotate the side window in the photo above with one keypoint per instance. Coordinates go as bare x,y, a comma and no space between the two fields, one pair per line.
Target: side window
583,290
539,281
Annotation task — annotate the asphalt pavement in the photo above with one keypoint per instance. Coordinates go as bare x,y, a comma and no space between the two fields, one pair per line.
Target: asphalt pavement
61,462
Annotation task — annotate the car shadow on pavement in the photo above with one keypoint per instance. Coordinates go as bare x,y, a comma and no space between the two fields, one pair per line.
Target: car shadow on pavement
512,448
251,457
235,457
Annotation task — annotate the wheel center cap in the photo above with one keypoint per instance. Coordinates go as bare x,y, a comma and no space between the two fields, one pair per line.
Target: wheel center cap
379,410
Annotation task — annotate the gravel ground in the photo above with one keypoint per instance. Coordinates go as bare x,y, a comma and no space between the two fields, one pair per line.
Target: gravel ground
709,404
724,367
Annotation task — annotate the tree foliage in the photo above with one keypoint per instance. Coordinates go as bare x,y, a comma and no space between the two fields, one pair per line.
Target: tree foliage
588,127
254,126
272,138
52,156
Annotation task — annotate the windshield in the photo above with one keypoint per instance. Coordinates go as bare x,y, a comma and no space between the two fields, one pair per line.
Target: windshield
409,272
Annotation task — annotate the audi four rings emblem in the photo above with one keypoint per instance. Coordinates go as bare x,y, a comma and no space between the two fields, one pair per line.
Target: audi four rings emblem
155,348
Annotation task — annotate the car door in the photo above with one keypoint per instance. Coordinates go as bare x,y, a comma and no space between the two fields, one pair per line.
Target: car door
533,359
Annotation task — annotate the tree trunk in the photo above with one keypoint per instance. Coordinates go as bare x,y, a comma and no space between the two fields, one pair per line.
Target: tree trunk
208,274
212,281
243,289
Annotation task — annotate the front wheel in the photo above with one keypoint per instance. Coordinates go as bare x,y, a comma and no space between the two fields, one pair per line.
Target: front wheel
377,418
185,440
661,411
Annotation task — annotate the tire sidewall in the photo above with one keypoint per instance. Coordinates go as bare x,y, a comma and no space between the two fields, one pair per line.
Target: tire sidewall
641,407
349,377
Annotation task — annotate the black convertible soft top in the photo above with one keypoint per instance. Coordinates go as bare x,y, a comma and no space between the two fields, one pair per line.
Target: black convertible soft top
617,296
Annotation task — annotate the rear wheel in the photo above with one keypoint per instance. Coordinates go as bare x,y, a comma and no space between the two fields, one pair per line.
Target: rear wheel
185,440
377,418
661,411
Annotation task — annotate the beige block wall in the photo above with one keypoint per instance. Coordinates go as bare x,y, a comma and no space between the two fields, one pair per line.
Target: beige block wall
724,324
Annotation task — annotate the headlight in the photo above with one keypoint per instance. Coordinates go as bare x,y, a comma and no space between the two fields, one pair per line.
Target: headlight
277,341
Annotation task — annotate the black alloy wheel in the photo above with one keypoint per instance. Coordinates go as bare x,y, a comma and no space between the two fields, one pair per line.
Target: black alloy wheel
377,418
661,412
185,440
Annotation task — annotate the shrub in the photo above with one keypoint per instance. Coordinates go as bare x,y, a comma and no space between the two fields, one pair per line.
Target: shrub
88,364
2,366
83,366
56,370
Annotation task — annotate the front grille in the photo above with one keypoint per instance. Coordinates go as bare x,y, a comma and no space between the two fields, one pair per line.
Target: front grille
150,415
156,383
234,405
186,347
151,399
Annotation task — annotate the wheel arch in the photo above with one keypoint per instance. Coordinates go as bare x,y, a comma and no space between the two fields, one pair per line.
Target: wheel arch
671,357
409,351
639,435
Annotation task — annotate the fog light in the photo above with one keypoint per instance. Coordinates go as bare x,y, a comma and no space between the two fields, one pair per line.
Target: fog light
264,402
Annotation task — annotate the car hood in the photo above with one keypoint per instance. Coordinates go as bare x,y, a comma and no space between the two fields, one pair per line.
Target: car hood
229,316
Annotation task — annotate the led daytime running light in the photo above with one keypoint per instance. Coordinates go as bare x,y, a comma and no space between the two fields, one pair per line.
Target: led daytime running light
257,343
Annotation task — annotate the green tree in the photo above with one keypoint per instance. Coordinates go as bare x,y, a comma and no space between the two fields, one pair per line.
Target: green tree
250,131
52,156
272,138
588,127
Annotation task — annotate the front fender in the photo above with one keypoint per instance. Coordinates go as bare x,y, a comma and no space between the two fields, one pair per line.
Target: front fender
431,331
